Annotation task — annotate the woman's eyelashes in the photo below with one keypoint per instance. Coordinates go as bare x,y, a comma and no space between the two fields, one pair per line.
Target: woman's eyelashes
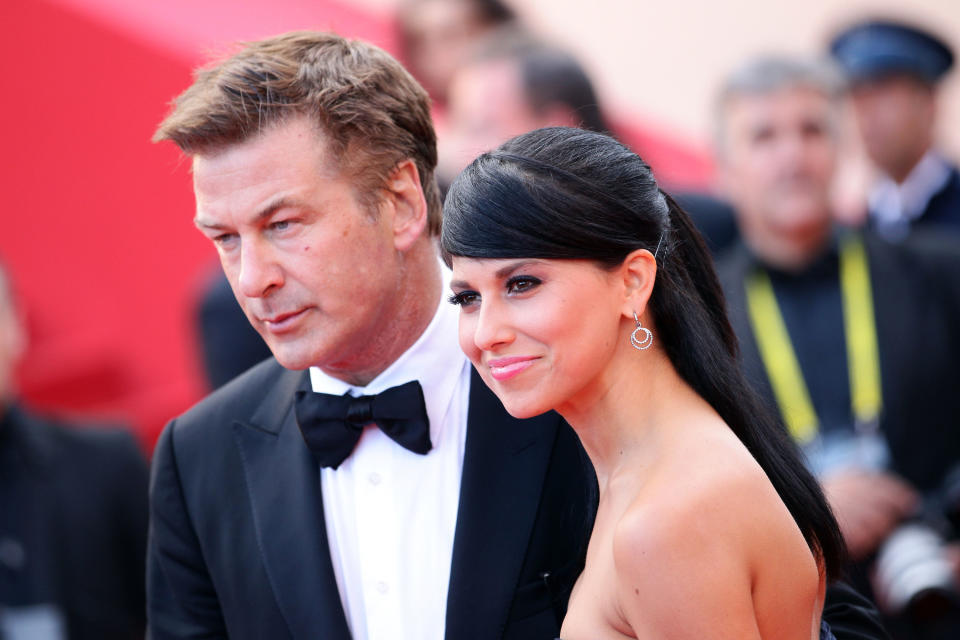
515,285
464,298
522,284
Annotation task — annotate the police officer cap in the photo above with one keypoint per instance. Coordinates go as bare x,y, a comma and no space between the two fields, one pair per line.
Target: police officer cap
878,47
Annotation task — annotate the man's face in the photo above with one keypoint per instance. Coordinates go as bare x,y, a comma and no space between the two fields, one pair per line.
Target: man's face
895,115
487,107
315,272
439,36
777,159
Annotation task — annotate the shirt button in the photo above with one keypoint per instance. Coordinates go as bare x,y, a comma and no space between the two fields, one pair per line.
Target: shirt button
382,587
374,478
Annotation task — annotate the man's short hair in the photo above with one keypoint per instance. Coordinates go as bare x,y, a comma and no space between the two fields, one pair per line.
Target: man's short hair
372,111
770,74
549,75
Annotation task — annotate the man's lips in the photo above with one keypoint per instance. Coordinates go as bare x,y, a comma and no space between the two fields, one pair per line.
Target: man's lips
505,368
282,322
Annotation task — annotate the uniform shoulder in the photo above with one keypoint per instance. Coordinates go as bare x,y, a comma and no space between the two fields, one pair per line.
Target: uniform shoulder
83,438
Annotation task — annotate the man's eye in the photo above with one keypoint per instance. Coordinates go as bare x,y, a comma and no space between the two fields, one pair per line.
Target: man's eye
520,284
224,239
465,298
281,225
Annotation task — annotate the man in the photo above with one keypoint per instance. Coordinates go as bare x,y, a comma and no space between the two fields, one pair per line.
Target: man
436,36
313,162
74,518
894,71
514,84
852,339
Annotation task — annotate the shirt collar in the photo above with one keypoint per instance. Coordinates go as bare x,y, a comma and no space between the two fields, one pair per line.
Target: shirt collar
909,199
435,360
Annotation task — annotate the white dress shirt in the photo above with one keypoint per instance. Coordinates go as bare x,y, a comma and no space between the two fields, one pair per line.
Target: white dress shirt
391,513
895,206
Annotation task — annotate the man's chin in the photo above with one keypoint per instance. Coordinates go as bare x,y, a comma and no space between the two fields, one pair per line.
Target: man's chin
804,218
293,359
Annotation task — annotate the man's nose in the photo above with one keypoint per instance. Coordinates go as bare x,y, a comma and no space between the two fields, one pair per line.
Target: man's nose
259,270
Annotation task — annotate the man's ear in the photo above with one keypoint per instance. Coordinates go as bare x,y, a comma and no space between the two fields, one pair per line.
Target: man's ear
639,273
405,195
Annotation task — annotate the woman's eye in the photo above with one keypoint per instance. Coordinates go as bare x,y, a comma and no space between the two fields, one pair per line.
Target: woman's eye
520,284
465,298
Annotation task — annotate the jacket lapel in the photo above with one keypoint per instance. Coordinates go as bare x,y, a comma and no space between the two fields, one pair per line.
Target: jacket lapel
503,474
284,487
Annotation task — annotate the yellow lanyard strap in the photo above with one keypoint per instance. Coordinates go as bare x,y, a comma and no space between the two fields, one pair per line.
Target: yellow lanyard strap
780,359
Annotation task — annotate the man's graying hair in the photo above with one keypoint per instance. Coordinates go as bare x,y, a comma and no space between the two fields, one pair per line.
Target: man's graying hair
372,111
769,74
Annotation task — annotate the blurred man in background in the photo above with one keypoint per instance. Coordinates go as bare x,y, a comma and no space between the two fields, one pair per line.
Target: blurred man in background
854,340
512,84
73,518
894,71
437,37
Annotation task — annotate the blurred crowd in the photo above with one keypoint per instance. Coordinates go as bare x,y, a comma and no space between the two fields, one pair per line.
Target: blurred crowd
849,330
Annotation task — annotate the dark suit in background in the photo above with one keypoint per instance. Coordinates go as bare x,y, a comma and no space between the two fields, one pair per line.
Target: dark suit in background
73,522
229,344
916,298
916,294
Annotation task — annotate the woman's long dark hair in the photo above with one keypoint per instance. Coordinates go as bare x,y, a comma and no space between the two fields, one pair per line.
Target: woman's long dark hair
566,193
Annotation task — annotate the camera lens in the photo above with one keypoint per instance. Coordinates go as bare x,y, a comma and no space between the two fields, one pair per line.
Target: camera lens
911,567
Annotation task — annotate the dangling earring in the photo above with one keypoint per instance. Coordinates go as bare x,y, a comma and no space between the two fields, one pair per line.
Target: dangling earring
636,340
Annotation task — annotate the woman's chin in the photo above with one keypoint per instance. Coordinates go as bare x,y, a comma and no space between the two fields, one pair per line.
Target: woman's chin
523,410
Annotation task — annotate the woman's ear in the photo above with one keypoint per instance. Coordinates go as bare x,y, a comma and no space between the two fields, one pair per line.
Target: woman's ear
639,272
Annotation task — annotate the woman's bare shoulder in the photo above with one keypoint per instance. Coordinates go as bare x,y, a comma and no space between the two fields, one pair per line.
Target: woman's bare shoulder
708,478
679,573
702,528
708,498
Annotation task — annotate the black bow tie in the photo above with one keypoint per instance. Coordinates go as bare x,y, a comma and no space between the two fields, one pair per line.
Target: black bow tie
332,425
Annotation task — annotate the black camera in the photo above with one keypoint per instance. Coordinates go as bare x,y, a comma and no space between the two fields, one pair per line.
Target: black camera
913,573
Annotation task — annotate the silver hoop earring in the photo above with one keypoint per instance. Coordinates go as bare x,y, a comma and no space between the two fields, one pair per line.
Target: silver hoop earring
636,340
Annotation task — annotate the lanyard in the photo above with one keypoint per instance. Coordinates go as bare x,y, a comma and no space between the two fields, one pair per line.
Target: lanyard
780,360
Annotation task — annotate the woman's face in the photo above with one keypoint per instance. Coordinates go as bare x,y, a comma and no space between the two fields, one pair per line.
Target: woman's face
539,331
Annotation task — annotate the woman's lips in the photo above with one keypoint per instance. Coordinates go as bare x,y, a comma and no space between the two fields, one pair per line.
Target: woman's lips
505,368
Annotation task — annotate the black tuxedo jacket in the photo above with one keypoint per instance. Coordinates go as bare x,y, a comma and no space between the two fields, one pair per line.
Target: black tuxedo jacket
74,501
238,543
916,296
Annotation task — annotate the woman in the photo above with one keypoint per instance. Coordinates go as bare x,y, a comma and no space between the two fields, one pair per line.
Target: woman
585,289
